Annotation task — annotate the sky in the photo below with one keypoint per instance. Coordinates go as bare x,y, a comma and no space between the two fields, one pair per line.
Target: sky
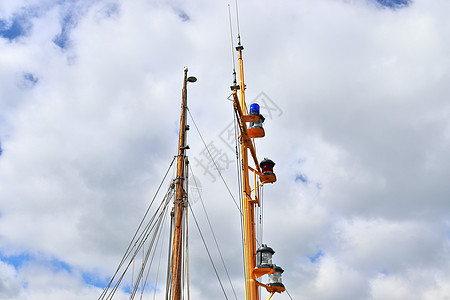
355,95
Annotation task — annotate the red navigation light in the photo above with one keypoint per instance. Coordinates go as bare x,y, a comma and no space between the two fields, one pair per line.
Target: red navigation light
267,165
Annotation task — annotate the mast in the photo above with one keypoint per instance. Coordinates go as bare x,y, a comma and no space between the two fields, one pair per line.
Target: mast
254,266
180,197
251,288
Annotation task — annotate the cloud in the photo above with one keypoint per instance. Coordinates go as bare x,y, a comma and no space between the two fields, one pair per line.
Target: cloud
360,133
9,284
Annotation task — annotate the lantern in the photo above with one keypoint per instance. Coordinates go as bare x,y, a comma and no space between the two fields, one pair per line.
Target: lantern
268,176
264,257
275,278
256,129
267,166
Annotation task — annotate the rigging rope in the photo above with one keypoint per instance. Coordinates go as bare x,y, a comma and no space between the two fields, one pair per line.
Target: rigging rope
215,239
141,240
262,215
186,232
155,238
207,251
134,241
169,262
159,263
289,294
215,164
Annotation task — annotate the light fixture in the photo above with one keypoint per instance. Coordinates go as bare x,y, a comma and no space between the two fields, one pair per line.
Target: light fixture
275,278
264,257
267,166
192,79
256,129
254,109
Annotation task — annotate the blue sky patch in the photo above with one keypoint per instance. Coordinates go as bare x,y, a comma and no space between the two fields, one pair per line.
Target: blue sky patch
394,3
29,80
314,258
67,24
56,265
182,14
14,29
59,265
94,280
16,260
301,177
19,260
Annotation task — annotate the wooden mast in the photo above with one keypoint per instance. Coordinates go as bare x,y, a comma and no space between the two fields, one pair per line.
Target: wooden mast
179,203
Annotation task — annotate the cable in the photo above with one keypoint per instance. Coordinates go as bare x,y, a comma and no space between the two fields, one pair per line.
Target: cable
186,261
217,168
289,294
130,247
144,236
155,238
207,251
215,239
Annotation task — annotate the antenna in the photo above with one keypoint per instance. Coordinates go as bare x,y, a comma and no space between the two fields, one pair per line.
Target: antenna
235,86
237,22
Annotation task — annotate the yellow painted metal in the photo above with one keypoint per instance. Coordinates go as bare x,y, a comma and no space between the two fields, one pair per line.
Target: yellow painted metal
251,287
245,138
258,272
248,203
268,178
179,204
271,288
268,298
256,132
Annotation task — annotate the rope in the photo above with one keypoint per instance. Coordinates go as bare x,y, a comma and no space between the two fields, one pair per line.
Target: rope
138,247
207,251
155,237
186,261
215,239
169,258
130,247
217,168
289,294
159,263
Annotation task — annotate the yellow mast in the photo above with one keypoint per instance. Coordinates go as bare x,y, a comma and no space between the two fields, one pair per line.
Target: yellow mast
251,289
249,201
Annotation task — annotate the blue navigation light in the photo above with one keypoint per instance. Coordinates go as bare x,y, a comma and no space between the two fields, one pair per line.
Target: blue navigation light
254,109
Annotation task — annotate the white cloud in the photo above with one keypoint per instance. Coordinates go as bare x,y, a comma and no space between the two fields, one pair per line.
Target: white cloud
9,284
365,118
